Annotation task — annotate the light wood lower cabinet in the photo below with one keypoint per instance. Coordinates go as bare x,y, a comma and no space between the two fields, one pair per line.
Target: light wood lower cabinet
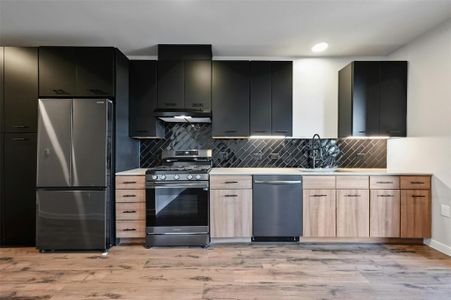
130,207
385,211
231,213
415,213
319,210
353,213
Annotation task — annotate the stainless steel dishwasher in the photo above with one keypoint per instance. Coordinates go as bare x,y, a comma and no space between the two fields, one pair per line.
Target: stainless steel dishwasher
277,208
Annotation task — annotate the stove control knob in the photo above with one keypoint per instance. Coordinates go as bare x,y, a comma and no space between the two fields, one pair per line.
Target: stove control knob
190,177
154,177
197,177
162,177
176,177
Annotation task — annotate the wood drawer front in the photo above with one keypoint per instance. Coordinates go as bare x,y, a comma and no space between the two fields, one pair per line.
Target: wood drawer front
231,213
353,182
353,213
131,229
131,211
415,214
415,182
131,182
318,182
385,212
218,182
384,182
319,212
130,196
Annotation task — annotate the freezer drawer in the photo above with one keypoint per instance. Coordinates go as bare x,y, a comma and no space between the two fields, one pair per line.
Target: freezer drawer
71,220
277,206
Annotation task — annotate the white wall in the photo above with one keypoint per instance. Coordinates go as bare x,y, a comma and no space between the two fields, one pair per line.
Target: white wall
428,147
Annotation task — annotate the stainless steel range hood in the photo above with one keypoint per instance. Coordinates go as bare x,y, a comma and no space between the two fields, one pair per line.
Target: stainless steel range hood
183,116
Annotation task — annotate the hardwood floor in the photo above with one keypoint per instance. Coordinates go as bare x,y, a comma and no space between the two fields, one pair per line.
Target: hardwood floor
308,271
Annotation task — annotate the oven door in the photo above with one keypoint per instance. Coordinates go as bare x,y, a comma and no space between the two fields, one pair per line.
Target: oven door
177,208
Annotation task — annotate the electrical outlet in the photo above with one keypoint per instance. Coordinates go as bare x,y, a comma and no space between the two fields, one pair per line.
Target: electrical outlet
274,155
445,210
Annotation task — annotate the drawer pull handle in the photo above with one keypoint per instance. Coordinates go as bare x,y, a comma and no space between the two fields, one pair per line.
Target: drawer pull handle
386,196
230,196
418,196
20,139
129,229
129,196
230,182
417,182
20,126
351,195
129,212
129,182
384,182
230,131
319,195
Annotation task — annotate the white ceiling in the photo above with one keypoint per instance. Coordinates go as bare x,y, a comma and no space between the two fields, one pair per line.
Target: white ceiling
276,28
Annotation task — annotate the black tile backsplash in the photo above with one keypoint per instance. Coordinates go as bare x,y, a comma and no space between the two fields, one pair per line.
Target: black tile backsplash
289,153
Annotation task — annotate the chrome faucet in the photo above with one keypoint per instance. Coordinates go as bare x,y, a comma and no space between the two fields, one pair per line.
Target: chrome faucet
317,151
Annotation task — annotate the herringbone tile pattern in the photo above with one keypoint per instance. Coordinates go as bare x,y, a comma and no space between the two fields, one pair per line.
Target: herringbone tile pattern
290,153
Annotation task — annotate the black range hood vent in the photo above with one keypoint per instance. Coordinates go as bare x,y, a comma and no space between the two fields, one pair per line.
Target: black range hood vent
183,116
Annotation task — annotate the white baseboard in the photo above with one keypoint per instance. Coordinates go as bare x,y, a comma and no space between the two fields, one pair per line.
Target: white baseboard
438,246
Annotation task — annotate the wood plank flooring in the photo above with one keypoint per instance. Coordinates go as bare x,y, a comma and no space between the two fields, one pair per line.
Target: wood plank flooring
307,271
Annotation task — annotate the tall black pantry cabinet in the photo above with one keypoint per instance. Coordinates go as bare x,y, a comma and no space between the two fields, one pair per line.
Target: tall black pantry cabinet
18,118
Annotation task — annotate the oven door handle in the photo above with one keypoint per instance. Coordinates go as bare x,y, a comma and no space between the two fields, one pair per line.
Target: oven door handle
178,185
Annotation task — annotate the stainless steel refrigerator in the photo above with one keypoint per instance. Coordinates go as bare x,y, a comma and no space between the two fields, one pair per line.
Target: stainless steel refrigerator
74,174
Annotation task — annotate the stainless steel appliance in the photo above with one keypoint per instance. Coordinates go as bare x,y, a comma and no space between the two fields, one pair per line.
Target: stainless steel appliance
74,174
177,199
277,208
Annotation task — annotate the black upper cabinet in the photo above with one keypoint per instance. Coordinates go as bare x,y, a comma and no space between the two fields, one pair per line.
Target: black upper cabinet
95,72
20,89
1,92
57,71
282,97
19,205
373,99
171,85
366,95
271,98
198,84
76,71
260,98
230,107
143,100
393,105
184,77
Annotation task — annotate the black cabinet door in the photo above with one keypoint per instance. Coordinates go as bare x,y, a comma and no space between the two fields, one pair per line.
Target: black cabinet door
57,71
2,198
1,90
230,105
95,72
366,95
282,97
19,189
260,98
143,99
198,84
21,89
393,98
171,84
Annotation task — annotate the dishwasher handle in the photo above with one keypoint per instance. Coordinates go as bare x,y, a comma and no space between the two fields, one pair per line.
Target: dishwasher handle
277,182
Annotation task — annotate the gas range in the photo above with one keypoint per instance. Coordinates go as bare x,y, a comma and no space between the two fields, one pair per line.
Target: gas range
181,165
177,199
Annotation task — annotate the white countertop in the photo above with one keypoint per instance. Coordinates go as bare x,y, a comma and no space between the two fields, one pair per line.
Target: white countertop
286,171
133,172
297,171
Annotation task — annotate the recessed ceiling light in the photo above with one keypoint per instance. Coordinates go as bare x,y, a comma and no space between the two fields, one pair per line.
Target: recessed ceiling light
320,47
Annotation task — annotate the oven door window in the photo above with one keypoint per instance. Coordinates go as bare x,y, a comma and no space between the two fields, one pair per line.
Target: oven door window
177,206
